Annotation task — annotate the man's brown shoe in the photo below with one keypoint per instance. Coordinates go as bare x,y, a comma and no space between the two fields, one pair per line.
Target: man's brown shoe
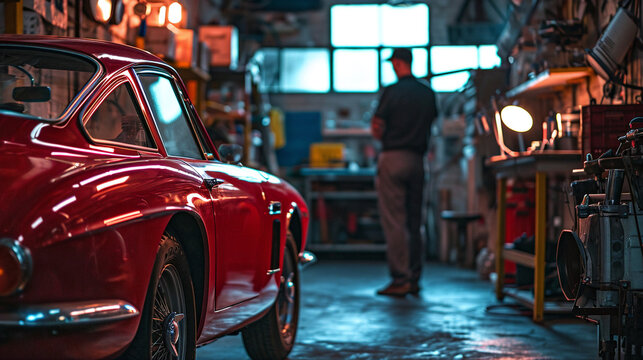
414,289
395,290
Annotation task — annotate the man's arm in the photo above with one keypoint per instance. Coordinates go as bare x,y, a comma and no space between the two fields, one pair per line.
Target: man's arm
377,127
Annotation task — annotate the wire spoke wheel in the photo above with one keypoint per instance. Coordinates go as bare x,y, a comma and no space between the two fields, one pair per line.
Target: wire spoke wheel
272,337
168,336
167,330
286,300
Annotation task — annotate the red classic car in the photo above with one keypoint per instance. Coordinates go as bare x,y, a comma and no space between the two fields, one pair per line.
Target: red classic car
123,231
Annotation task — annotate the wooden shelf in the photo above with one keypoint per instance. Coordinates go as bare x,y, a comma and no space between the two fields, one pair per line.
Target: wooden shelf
348,132
191,73
520,257
550,78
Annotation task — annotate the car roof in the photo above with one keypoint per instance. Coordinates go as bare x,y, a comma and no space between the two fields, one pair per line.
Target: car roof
111,55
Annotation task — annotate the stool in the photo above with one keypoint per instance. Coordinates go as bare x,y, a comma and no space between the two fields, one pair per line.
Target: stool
461,219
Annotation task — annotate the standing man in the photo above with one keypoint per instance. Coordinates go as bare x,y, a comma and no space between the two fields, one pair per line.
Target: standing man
402,122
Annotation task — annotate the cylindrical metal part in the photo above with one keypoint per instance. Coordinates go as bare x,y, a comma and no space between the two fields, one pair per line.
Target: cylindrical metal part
614,187
605,297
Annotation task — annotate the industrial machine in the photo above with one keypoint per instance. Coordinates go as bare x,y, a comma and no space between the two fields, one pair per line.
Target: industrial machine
600,261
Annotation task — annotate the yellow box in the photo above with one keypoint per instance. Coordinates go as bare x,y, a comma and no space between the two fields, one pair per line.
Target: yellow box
326,154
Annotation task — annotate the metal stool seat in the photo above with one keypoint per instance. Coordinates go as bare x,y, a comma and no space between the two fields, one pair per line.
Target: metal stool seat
461,219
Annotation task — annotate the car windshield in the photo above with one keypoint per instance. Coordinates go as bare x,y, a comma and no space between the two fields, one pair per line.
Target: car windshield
40,82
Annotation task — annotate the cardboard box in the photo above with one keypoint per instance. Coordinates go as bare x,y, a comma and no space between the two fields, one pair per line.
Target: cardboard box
327,155
160,41
204,55
187,47
223,42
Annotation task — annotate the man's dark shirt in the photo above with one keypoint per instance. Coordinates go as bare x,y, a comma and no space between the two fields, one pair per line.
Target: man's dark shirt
408,109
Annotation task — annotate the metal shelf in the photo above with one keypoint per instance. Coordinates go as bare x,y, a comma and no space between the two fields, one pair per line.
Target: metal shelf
550,78
316,247
344,195
526,298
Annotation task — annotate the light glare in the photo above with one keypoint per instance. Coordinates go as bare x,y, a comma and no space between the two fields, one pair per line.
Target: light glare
162,12
166,105
516,118
104,9
175,13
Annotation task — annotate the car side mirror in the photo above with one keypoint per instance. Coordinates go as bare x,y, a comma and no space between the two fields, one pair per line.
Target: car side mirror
231,153
32,93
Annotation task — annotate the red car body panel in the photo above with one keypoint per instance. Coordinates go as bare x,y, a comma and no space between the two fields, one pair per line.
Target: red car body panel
92,214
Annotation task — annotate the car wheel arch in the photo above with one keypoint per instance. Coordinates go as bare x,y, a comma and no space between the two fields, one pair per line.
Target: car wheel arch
294,225
190,233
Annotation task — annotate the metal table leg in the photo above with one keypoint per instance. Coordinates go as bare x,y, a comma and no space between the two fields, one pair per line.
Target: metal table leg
501,193
540,240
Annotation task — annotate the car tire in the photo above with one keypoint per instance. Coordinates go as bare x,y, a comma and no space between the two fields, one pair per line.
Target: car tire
272,337
162,329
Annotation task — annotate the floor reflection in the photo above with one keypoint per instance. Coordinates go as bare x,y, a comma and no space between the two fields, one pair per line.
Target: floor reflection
342,318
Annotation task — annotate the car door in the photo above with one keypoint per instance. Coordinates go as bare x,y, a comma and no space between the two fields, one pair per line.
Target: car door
241,257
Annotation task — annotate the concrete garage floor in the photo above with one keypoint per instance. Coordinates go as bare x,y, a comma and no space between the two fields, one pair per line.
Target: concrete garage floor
456,316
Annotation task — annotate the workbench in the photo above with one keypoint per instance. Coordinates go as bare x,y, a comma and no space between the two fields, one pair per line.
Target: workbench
329,190
538,165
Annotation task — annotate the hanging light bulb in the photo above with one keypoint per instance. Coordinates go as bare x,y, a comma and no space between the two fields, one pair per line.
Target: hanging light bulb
104,9
162,14
99,10
175,13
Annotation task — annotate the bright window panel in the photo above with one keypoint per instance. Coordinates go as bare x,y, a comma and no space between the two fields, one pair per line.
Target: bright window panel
355,71
419,67
488,56
403,25
450,58
388,75
451,82
354,25
305,70
268,61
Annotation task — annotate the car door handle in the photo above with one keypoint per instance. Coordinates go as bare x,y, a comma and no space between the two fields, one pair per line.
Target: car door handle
212,183
274,208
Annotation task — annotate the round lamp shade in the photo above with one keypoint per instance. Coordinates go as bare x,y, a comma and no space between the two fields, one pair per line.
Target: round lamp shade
516,118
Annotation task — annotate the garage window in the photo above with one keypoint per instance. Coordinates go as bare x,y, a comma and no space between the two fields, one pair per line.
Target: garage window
355,58
360,48
450,59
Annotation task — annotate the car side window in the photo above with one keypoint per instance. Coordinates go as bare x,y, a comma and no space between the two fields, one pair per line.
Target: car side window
118,119
170,116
